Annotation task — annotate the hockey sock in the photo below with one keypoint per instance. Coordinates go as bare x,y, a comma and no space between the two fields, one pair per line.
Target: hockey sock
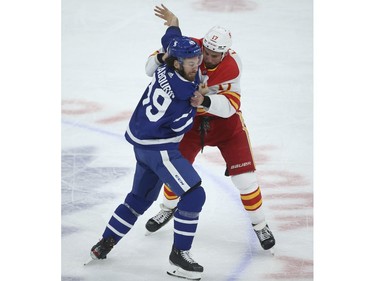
253,205
168,194
187,216
252,201
125,216
120,223
170,200
185,225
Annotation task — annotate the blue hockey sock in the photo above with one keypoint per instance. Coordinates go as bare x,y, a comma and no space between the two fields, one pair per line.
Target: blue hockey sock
185,225
186,217
125,216
120,223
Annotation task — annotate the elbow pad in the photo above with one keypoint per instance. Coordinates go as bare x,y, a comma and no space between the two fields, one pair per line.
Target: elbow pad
220,106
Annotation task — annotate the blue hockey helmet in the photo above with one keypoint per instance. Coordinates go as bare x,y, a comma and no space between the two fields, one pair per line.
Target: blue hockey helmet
183,47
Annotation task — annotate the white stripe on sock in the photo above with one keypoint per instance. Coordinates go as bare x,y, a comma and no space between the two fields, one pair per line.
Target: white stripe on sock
122,221
184,233
186,221
115,231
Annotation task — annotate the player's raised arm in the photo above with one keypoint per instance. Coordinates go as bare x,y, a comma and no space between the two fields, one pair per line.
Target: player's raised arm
156,59
165,14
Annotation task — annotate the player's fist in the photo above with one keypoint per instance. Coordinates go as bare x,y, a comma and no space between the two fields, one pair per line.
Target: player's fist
197,99
203,89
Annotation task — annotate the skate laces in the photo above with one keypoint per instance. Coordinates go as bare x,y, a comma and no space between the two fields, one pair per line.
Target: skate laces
162,216
186,256
264,234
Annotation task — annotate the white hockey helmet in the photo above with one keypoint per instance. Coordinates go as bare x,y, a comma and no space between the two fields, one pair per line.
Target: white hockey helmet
218,39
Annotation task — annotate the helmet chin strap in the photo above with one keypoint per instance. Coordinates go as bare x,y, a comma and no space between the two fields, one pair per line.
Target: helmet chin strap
223,55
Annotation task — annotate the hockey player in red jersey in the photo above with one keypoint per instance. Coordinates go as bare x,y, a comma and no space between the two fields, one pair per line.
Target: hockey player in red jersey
218,123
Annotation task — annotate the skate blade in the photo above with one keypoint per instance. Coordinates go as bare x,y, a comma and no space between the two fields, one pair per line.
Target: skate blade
148,233
181,273
272,251
88,261
92,258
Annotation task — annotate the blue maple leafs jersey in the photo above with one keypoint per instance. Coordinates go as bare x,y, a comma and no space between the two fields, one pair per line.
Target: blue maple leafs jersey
164,113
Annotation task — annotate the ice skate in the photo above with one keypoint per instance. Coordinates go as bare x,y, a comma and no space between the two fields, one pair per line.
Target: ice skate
102,248
160,219
183,266
265,236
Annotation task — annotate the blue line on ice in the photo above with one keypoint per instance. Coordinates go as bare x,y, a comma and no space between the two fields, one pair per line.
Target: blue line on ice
233,194
91,128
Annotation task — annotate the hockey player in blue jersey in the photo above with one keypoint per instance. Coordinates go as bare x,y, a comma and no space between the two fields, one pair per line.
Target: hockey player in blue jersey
161,118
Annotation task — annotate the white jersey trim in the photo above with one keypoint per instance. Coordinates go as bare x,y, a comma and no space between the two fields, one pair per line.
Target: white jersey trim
183,127
153,141
173,171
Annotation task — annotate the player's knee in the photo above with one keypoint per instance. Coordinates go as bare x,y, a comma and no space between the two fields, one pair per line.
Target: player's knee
137,204
246,182
192,200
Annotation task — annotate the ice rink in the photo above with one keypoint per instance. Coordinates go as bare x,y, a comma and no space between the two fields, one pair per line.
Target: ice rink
105,44
71,74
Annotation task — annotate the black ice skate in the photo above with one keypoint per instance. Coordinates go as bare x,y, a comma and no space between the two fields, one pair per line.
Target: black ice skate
265,236
160,219
102,248
182,265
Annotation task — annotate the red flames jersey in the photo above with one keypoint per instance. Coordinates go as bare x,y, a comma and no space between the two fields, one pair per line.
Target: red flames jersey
224,79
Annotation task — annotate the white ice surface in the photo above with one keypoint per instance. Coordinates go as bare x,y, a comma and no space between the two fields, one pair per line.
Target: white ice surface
104,47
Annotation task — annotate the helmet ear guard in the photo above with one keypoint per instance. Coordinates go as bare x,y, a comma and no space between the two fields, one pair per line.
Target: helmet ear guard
218,39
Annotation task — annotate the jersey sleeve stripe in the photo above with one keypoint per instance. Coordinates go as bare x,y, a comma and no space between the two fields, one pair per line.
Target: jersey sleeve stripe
234,104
